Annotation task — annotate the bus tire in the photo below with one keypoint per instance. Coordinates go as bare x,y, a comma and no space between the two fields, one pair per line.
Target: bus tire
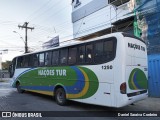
19,88
60,96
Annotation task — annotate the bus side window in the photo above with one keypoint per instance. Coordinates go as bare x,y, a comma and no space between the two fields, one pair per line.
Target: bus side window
98,53
48,58
20,62
41,59
81,54
26,61
30,59
108,50
35,59
12,67
63,56
55,57
72,55
89,53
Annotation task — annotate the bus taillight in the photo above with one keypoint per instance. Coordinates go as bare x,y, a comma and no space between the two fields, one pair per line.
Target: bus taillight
123,88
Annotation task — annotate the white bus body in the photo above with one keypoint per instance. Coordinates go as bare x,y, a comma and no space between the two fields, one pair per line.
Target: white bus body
121,81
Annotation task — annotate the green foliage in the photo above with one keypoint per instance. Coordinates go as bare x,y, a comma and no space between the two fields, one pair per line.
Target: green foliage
5,65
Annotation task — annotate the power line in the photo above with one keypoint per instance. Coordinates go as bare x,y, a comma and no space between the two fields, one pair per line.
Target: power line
8,43
45,11
39,9
79,31
56,12
25,25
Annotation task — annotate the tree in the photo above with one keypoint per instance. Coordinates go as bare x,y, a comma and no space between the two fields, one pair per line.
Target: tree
5,65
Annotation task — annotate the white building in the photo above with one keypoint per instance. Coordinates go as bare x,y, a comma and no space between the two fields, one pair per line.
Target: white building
93,18
0,63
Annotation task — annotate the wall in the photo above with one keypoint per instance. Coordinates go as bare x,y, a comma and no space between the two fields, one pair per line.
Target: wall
150,10
90,16
0,63
154,75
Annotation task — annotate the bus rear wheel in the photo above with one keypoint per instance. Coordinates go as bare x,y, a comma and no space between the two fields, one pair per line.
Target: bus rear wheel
60,96
19,88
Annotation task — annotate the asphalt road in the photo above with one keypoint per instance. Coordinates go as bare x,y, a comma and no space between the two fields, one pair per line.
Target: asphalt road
11,100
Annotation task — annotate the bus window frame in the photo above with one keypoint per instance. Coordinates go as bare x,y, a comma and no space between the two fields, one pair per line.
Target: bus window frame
71,47
113,52
34,60
26,61
84,62
92,54
78,54
60,50
30,62
95,43
13,66
58,62
20,65
49,60
39,59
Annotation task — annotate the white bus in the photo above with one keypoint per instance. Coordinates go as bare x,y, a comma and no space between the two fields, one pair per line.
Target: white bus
110,71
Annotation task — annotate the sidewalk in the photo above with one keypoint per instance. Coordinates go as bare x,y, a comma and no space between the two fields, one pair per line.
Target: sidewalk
149,104
4,79
5,88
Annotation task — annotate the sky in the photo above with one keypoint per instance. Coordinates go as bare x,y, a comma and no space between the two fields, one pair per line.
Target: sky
48,17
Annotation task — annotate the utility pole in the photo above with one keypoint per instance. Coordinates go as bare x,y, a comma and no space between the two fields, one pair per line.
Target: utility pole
25,25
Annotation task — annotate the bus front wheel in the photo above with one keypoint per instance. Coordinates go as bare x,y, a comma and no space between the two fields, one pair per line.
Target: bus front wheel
60,96
19,88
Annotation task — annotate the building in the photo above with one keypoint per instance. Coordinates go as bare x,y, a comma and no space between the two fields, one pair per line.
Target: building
0,63
149,10
92,18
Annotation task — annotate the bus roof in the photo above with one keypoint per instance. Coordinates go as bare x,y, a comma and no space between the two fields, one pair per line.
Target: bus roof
80,42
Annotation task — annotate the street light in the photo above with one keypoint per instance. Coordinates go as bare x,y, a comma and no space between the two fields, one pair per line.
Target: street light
26,47
20,36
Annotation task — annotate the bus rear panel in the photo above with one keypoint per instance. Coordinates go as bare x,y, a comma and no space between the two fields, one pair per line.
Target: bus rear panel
134,87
